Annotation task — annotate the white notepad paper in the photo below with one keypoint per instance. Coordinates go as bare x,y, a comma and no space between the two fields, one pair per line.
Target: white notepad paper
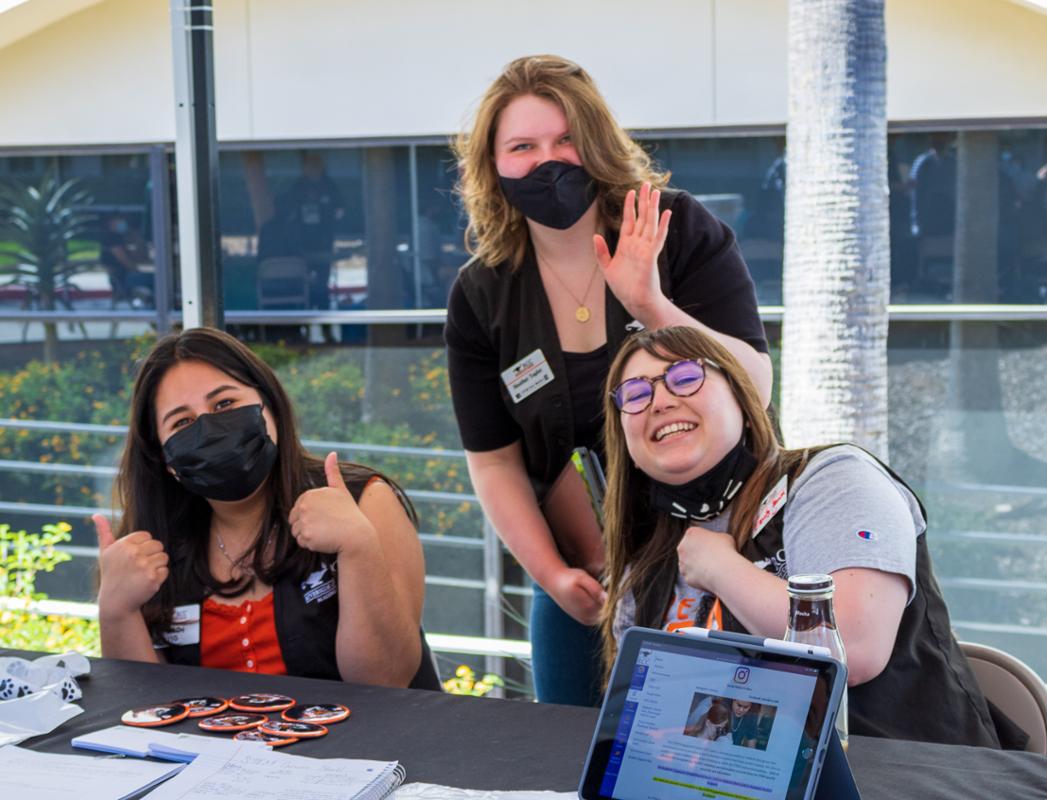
49,776
260,774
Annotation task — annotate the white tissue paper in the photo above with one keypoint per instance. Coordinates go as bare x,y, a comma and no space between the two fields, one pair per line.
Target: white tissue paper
37,696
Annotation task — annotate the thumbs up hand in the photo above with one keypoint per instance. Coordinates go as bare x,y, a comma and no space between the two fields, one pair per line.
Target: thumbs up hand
132,568
327,519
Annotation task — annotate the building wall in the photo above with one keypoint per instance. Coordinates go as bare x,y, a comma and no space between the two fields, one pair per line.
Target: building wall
372,68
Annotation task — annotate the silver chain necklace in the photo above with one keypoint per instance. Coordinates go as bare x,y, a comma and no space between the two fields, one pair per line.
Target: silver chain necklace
238,563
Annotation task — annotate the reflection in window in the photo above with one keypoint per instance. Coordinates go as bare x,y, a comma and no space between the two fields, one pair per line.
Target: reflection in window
100,206
339,228
968,210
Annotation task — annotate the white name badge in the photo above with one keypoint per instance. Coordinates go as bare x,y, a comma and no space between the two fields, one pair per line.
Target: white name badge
771,504
185,625
527,376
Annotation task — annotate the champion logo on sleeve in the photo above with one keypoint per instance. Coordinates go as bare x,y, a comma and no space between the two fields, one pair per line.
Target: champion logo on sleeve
868,536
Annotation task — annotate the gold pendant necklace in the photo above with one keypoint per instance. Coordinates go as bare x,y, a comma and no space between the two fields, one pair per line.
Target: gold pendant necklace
582,313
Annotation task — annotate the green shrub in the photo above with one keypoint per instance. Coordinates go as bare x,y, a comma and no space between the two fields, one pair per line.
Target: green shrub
327,388
22,556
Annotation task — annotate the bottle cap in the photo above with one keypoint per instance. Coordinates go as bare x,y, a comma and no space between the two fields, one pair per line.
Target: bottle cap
811,584
227,723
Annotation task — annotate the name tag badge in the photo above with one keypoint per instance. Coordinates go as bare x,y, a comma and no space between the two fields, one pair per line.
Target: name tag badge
185,625
771,504
527,376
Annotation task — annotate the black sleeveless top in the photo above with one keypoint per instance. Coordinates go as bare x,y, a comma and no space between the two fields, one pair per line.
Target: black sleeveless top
927,692
305,613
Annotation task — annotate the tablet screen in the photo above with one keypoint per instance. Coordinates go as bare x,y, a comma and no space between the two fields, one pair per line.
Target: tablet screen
692,718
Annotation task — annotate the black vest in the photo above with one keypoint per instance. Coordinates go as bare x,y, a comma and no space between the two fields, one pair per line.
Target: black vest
927,692
306,617
512,307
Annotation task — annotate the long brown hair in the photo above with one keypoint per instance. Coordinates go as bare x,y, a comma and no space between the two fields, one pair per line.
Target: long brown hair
152,500
497,232
650,553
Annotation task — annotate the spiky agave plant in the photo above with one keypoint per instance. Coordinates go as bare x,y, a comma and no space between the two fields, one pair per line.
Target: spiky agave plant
37,225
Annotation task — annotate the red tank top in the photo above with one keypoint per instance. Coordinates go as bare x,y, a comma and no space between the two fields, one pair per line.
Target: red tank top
241,638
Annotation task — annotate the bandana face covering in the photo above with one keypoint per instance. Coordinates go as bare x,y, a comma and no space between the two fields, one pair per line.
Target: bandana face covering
223,456
555,194
707,495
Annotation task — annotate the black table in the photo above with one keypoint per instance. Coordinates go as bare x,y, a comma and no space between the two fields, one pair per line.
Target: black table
482,743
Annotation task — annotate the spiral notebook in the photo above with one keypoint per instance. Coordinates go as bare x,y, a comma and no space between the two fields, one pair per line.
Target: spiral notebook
254,773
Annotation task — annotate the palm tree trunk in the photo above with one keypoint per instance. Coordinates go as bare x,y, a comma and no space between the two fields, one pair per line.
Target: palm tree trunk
837,252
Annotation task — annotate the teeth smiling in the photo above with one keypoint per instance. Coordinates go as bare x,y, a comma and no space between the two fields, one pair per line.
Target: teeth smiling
675,427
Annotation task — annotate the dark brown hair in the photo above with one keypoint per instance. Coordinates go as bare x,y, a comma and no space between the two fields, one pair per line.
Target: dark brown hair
650,552
497,232
152,500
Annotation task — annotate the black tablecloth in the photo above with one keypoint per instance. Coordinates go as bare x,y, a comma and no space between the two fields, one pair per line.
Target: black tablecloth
482,743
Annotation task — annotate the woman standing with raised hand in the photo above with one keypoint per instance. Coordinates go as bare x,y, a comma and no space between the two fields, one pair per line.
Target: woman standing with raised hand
577,242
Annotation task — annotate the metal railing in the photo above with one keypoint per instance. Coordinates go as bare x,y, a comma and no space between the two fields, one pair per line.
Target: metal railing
896,312
492,644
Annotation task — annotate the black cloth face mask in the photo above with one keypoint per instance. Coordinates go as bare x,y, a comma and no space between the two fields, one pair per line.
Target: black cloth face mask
223,456
555,194
707,495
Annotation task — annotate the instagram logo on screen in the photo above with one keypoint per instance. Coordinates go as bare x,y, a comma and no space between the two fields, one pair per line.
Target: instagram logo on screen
741,675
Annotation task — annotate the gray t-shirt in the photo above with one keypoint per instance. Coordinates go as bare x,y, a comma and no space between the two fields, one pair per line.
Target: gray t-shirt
844,511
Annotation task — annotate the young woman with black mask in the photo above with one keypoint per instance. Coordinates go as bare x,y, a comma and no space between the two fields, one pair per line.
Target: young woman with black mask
237,549
577,241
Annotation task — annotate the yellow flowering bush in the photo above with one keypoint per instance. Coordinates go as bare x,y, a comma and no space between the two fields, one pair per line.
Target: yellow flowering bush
466,682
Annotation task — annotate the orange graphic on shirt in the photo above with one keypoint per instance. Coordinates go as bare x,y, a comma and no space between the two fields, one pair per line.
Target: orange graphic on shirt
684,616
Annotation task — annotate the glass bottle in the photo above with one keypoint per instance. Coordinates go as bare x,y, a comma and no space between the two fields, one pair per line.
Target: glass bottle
812,621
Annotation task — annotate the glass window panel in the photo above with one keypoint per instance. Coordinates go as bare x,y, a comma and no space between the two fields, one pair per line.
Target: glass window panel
969,216
441,225
968,430
110,259
742,181
317,229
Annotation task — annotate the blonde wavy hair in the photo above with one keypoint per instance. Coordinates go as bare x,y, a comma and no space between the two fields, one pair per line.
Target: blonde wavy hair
650,553
497,232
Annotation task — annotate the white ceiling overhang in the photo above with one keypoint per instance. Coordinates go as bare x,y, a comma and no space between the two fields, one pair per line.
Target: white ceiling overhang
22,18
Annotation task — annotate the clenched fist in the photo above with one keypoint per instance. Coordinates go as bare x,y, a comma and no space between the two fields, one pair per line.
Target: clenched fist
133,569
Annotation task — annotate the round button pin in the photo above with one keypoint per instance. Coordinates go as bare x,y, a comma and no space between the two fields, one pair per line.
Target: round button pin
301,730
227,723
317,713
203,706
266,738
155,716
261,701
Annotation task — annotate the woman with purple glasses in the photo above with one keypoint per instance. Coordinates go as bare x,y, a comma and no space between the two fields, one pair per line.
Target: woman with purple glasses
735,514
577,242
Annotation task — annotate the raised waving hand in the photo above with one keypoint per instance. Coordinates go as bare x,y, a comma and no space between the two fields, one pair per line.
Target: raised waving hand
632,272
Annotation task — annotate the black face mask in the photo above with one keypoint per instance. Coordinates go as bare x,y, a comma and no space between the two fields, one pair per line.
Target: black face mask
707,495
555,194
223,456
